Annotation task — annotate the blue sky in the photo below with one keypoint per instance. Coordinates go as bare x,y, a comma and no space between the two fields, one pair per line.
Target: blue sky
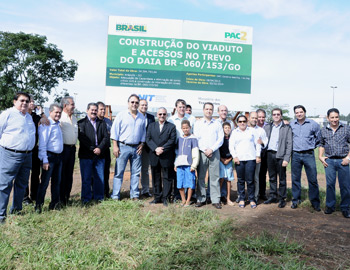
300,48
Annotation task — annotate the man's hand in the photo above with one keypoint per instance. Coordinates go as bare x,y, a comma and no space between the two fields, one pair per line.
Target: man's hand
159,150
260,141
284,163
175,169
323,160
236,160
46,166
345,161
139,149
97,151
116,151
208,152
44,120
258,160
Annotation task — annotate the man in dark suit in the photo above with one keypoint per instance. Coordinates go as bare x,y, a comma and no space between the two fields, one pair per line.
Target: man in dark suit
161,139
145,151
94,141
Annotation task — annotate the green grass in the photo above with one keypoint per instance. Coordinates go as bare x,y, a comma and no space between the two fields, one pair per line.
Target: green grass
122,235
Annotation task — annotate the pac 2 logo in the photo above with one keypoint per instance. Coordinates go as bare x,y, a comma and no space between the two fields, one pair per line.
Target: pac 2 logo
236,35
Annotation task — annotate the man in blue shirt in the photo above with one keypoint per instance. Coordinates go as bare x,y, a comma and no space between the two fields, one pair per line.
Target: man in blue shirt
50,149
305,132
128,134
335,156
17,140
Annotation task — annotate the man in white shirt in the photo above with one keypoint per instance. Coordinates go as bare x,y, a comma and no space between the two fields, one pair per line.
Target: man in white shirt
261,134
50,149
17,140
210,136
69,127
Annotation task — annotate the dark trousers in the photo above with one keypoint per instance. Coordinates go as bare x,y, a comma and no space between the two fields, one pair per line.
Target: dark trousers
262,175
68,160
245,174
275,169
54,172
34,178
306,159
162,183
106,173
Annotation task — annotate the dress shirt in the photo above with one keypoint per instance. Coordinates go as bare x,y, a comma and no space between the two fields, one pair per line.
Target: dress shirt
260,132
336,144
50,140
69,127
128,129
274,136
228,121
305,134
244,144
210,134
93,123
176,120
17,130
109,124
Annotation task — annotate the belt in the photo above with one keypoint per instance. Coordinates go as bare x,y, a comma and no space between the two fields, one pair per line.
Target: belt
272,151
310,151
337,157
54,154
132,145
69,145
17,151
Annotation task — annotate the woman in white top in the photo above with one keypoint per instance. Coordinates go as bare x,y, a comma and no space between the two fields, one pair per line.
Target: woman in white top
245,150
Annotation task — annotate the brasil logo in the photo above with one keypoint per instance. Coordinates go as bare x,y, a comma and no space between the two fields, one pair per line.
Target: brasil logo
131,27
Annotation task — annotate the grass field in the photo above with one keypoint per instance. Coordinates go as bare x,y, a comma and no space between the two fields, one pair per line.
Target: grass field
121,235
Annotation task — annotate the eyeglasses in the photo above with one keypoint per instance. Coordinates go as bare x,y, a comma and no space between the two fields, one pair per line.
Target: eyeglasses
160,114
242,121
132,102
276,114
24,100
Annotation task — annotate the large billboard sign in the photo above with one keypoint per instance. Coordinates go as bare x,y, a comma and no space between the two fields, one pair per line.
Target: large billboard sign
162,60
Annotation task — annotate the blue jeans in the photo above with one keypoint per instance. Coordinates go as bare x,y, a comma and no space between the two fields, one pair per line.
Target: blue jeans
334,166
308,160
127,153
245,173
54,172
92,168
13,166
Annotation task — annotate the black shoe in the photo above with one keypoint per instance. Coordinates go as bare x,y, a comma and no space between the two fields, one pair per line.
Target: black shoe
294,206
146,195
165,203
282,204
27,201
328,211
316,208
216,205
199,204
223,200
346,213
56,206
2,221
38,209
263,197
16,212
270,200
154,201
238,200
208,201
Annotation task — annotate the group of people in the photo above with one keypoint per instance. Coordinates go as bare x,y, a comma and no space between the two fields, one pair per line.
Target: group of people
182,152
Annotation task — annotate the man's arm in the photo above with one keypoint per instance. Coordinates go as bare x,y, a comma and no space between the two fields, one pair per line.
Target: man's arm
289,147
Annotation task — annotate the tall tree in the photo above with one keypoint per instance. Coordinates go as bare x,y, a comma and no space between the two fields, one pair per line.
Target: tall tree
28,63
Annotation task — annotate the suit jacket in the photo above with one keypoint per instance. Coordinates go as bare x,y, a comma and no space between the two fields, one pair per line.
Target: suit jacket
87,141
285,140
166,139
150,119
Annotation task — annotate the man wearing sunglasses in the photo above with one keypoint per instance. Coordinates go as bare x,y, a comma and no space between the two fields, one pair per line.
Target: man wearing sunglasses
279,150
17,140
128,134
